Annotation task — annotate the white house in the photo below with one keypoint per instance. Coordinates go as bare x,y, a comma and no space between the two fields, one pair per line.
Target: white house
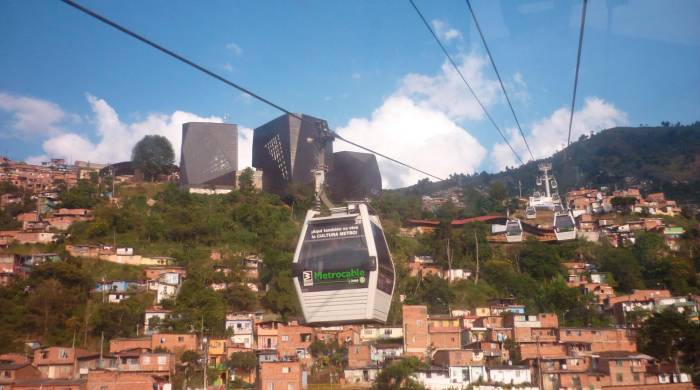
466,375
509,375
381,333
435,378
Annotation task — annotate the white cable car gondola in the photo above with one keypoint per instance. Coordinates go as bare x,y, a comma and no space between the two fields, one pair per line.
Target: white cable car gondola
531,213
514,230
343,272
564,226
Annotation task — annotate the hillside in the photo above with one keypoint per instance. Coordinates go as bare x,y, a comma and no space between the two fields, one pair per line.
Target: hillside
654,158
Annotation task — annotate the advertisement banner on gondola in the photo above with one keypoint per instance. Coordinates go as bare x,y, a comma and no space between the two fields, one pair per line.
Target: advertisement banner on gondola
334,256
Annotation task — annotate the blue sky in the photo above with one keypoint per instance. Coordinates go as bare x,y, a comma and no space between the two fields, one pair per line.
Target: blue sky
73,87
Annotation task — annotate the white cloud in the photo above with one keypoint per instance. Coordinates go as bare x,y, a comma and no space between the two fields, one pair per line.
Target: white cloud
31,116
245,147
549,135
446,91
227,67
234,48
425,138
418,124
445,32
113,139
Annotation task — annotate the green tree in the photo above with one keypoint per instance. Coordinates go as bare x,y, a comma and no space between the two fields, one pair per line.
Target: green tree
246,183
240,298
245,361
668,335
84,195
281,297
153,155
398,375
623,266
191,360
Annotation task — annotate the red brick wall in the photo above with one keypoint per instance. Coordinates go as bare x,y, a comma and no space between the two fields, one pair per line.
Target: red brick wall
109,380
118,345
415,322
280,376
359,356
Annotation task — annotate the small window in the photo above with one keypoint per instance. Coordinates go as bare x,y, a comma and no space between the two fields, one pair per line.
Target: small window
285,338
63,354
618,377
285,370
270,386
146,360
636,376
7,374
618,363
162,360
290,386
180,339
419,323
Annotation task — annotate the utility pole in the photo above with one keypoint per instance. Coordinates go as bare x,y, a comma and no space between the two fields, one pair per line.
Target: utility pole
206,362
539,363
520,189
476,277
449,262
102,343
205,347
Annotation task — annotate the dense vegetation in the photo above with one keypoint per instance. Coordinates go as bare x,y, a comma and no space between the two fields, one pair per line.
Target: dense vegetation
654,158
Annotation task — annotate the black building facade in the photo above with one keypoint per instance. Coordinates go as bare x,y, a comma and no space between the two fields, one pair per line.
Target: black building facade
281,151
355,176
209,154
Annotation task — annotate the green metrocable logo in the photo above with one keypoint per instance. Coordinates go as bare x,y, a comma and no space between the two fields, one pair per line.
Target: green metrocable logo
351,274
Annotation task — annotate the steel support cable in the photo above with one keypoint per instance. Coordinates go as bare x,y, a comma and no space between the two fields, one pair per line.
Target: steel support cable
578,64
454,65
495,69
228,82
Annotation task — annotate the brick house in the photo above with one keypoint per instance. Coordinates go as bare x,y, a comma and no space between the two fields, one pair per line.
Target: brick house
281,375
174,343
415,329
115,380
11,372
294,341
58,362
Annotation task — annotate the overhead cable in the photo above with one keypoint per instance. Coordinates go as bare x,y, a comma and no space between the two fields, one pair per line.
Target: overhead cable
228,82
454,65
495,69
578,64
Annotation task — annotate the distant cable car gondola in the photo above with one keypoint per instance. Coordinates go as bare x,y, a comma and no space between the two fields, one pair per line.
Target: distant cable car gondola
531,213
514,230
343,272
564,226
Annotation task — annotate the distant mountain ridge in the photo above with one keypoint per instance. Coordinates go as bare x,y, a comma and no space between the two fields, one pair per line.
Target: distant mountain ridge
665,158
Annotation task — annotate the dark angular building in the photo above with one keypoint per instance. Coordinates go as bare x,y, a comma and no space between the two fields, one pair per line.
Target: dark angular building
281,151
209,154
355,176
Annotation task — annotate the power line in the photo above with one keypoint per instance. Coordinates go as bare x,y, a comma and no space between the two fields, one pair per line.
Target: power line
578,64
228,82
454,65
503,88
